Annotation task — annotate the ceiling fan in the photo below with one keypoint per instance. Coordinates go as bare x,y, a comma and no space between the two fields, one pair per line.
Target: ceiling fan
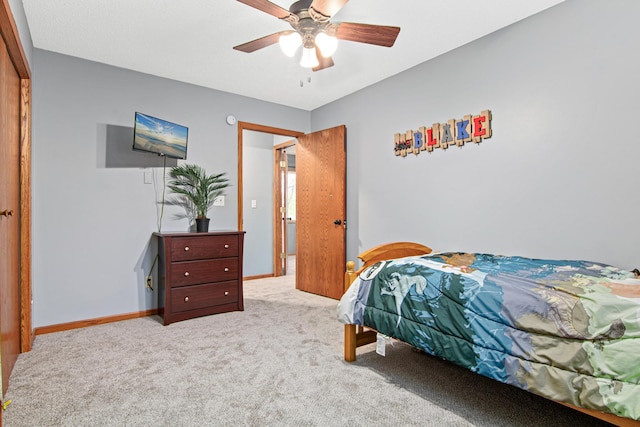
312,28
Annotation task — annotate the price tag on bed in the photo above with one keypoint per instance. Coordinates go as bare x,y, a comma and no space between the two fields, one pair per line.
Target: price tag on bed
381,343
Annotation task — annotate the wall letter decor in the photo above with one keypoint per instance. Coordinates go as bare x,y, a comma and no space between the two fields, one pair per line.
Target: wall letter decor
444,135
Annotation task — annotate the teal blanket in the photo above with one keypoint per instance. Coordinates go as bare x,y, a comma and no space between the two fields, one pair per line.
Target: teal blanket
565,330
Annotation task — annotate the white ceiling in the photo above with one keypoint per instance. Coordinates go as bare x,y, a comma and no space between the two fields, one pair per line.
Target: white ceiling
192,41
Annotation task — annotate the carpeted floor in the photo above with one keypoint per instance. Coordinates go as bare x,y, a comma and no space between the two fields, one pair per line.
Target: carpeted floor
279,362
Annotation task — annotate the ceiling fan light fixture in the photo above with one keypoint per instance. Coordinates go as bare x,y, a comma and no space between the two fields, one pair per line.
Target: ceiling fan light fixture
312,28
327,44
289,43
309,58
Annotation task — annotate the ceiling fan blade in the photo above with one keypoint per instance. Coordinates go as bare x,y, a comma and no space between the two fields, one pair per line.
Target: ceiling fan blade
256,44
323,62
366,33
268,7
328,8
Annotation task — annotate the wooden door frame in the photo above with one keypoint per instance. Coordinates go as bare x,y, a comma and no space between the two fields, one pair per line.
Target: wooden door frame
242,126
280,226
9,32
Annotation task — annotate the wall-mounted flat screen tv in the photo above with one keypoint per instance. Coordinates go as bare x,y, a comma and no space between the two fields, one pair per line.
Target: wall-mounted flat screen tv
160,136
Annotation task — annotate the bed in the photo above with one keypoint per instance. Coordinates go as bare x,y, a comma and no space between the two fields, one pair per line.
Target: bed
565,330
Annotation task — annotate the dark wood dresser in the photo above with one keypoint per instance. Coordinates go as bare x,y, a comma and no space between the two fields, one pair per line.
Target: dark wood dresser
199,274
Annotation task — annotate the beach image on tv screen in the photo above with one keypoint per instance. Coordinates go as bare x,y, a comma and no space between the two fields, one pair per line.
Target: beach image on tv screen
160,136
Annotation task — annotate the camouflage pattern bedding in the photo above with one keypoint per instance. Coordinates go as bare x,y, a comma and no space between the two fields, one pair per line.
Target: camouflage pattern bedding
565,330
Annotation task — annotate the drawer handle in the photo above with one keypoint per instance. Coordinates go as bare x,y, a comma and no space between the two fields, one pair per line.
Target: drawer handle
226,246
226,269
186,299
226,293
186,274
186,248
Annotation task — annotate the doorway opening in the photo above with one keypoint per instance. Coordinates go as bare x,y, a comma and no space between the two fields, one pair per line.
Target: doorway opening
320,207
257,205
284,213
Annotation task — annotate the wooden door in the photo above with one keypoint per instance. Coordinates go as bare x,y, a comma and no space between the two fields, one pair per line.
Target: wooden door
279,211
321,212
10,88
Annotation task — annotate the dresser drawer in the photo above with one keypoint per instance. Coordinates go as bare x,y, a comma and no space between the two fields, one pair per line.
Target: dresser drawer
190,248
201,296
204,271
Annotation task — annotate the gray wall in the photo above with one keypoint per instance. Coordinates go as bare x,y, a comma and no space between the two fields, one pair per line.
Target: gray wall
257,184
93,215
559,177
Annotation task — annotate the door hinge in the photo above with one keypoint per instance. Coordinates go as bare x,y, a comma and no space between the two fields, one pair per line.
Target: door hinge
283,255
283,164
282,209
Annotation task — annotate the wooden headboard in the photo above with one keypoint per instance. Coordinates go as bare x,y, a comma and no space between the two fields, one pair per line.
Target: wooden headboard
382,252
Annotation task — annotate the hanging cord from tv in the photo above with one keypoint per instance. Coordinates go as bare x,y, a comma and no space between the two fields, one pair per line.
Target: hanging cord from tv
164,190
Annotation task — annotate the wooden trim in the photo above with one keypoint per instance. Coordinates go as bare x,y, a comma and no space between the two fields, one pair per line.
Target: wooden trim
286,144
240,204
276,214
283,194
11,36
260,276
26,328
93,322
269,129
279,195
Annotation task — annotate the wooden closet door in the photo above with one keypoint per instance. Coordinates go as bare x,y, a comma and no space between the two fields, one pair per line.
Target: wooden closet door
9,215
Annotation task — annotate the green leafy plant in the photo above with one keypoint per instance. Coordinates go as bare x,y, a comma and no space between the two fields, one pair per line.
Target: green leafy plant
195,190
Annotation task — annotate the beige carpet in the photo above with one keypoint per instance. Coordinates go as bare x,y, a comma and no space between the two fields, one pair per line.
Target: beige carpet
277,363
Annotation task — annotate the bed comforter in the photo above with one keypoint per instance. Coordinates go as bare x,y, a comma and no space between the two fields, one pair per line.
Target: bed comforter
565,330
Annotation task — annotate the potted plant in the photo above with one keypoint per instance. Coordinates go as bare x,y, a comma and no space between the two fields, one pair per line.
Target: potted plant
196,191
